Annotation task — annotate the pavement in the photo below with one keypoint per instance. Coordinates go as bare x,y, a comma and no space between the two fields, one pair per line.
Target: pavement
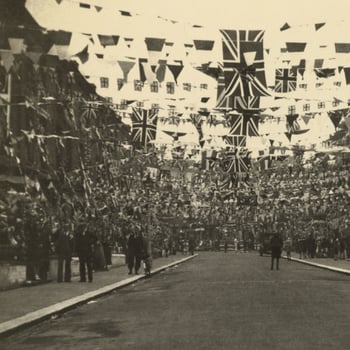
25,306
215,301
340,265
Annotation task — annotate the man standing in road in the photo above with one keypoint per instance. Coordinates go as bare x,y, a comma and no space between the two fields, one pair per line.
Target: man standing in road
276,245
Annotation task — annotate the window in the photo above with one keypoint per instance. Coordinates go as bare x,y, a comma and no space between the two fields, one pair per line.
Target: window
172,112
109,99
139,104
123,104
138,84
319,85
187,86
170,88
154,86
104,82
120,83
335,103
291,109
321,105
306,107
303,86
337,83
203,86
155,106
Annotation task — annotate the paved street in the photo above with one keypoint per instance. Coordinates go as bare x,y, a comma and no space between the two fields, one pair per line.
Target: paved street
216,301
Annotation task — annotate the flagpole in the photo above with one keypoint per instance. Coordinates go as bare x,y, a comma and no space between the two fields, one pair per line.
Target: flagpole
8,116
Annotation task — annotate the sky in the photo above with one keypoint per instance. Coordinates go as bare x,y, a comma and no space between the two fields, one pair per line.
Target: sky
244,13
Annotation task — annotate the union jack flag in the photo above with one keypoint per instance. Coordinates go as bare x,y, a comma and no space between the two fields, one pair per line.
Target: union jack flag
233,163
286,80
144,125
235,140
244,71
244,124
243,104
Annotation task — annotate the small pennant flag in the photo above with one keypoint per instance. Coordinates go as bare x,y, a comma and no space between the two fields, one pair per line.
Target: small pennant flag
285,27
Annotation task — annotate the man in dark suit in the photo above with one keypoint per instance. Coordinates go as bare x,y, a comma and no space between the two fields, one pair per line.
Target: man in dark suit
276,245
135,250
85,245
64,250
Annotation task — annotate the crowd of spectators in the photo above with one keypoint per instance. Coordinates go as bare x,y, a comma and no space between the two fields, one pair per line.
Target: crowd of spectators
307,205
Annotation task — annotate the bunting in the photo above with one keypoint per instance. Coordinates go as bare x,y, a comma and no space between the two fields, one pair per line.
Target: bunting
336,116
176,69
295,47
347,75
154,44
342,47
108,40
126,67
325,72
293,127
206,45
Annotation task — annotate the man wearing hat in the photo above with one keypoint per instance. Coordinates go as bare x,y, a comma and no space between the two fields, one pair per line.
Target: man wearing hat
276,244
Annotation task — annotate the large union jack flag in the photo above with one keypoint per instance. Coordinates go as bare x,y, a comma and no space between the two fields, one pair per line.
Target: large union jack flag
144,125
246,104
244,71
244,124
286,80
235,140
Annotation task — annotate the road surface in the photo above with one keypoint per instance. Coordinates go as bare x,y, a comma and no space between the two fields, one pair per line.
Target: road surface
215,301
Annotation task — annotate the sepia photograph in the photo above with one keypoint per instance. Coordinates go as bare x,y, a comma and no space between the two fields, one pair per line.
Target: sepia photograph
174,174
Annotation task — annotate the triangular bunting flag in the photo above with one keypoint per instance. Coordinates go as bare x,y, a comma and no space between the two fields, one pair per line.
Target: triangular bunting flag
319,25
83,55
335,117
176,70
126,67
306,118
143,77
289,136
